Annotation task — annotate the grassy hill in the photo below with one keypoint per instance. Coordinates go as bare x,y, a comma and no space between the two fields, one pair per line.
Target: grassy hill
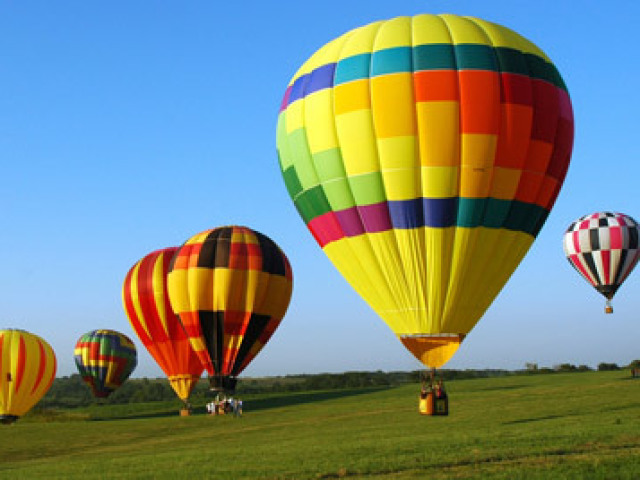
574,425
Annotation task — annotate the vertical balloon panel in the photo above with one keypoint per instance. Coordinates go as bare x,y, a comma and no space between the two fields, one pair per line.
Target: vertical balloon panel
146,304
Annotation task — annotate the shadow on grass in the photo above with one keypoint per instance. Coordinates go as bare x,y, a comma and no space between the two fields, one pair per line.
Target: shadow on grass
502,387
254,404
137,416
292,399
534,419
626,406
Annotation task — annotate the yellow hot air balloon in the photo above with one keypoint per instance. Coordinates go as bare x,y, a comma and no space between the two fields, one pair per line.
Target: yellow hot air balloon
27,370
231,287
424,154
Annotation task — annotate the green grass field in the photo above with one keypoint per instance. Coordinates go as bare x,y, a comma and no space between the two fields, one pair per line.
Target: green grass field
574,425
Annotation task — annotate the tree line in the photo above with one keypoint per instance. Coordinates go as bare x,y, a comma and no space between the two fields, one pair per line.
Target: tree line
71,391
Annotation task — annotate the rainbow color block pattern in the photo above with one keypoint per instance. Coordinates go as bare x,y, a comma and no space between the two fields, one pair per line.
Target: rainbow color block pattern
424,154
105,359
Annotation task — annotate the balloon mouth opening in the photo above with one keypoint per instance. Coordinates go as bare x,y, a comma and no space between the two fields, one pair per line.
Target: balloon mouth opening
608,291
101,394
183,385
222,383
8,419
433,350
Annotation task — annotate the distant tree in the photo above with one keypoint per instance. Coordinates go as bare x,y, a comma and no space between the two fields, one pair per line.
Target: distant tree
603,367
68,392
565,367
531,367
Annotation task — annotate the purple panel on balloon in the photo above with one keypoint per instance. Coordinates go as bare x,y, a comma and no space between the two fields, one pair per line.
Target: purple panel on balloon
375,217
350,222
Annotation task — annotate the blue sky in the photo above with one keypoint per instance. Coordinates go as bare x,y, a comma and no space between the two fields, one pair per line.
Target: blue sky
129,126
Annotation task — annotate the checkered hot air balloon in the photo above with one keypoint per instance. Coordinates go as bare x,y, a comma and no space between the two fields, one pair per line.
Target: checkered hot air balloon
424,154
231,287
105,359
27,370
603,248
146,303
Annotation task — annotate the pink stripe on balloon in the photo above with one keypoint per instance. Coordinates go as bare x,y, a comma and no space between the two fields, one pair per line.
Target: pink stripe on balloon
325,229
615,237
575,237
351,222
285,99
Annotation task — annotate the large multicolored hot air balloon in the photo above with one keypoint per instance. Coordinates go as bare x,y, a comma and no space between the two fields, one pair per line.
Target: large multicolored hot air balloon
231,287
603,248
424,154
105,359
27,370
146,303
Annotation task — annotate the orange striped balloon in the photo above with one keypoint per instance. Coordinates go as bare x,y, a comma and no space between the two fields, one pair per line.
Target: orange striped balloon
146,303
231,287
27,370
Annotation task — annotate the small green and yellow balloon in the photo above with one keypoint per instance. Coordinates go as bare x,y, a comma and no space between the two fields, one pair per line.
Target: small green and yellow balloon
105,359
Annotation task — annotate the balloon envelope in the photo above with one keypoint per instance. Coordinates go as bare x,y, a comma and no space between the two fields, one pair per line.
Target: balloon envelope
27,370
105,359
231,287
603,248
424,154
146,303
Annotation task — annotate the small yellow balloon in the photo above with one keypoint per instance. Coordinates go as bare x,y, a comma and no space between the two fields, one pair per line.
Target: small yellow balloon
27,370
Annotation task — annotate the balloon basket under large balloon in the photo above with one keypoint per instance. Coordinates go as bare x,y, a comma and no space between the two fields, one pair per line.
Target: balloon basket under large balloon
223,383
8,419
432,406
185,411
433,396
608,308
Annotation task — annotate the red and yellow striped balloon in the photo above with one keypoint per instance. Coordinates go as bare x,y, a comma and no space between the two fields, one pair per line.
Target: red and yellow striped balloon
231,287
146,303
27,370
